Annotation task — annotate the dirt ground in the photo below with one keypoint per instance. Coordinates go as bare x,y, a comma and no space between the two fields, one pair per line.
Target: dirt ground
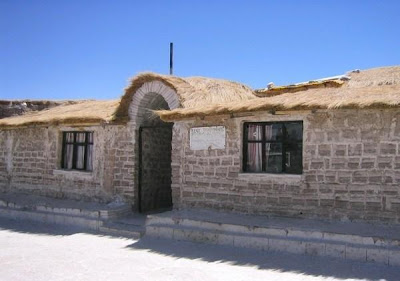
30,251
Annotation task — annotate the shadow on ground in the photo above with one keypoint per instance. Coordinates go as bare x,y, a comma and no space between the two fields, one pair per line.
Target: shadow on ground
280,262
31,227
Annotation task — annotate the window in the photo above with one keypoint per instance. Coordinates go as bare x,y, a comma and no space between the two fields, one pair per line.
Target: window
77,151
273,147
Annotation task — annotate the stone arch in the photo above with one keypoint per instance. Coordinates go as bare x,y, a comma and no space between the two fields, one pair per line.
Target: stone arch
148,97
144,123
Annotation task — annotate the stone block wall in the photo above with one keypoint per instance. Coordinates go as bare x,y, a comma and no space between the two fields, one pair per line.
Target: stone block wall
351,168
30,162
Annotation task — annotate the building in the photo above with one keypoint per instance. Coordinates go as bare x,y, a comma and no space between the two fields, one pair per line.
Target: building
327,148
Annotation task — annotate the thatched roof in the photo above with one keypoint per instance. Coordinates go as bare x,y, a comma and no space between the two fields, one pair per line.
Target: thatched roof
199,96
82,112
192,92
378,87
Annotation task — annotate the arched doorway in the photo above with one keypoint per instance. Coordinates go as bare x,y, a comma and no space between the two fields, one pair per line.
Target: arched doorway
154,138
155,192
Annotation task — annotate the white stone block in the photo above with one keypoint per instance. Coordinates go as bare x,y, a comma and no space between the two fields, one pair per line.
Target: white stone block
224,239
93,214
394,257
152,231
76,212
41,208
270,231
341,238
378,255
335,250
234,228
209,237
356,253
202,236
259,243
315,249
179,234
159,220
284,245
17,206
165,232
305,234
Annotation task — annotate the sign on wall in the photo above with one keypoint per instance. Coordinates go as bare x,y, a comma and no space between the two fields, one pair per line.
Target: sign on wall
207,138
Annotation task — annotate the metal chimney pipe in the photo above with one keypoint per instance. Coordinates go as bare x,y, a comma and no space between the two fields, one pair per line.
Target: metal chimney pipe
171,58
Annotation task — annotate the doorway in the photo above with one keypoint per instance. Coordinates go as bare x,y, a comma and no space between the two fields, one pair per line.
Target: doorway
155,193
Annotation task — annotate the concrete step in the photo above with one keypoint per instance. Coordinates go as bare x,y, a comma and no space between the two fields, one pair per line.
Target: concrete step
86,222
250,234
123,230
60,206
88,215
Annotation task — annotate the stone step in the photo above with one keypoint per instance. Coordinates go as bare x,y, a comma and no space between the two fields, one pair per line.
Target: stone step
123,230
91,216
378,249
65,207
51,218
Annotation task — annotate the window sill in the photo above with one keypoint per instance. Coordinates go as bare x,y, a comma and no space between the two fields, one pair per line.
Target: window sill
265,176
74,173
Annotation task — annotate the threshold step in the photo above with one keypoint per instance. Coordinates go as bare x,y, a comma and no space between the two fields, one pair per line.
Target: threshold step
123,230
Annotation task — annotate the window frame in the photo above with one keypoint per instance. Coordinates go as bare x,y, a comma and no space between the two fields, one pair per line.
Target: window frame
76,144
263,142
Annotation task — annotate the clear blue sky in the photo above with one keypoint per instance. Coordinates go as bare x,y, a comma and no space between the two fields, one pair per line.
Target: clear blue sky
88,49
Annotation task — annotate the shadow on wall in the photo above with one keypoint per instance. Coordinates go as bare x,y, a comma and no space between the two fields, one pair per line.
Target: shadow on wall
281,262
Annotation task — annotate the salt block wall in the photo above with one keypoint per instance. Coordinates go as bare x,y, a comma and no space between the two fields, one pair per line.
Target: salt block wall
30,162
351,168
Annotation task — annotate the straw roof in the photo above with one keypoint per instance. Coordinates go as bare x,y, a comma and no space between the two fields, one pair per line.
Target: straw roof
192,92
378,87
83,112
200,96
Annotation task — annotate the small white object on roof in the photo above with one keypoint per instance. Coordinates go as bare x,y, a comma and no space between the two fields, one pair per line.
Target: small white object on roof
270,85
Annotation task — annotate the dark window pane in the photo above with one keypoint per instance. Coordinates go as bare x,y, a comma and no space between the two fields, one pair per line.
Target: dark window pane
254,132
80,157
78,148
273,157
69,137
254,157
89,159
273,132
282,142
294,162
90,137
80,137
294,131
69,151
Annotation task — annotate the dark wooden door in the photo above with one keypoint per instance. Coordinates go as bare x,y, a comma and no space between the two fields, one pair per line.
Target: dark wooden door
155,169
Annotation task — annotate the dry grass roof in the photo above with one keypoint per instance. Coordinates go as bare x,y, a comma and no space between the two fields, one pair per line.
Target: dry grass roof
83,112
192,92
378,87
200,96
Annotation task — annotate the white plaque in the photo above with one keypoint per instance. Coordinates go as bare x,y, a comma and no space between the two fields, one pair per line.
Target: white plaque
207,138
